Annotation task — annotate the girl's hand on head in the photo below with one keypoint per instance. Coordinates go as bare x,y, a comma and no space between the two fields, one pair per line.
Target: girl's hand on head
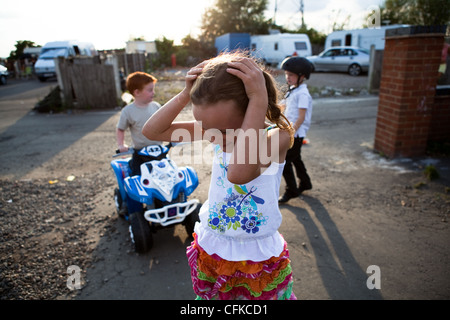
251,75
184,96
193,73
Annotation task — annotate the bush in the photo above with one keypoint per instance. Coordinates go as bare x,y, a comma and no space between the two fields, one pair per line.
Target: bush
51,103
430,172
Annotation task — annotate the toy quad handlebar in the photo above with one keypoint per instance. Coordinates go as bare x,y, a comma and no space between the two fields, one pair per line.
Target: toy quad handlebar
120,154
131,149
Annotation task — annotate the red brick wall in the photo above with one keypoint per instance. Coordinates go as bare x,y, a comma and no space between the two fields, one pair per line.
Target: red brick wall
407,93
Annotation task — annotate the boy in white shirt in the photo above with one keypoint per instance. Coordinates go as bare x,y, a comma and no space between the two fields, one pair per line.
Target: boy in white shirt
298,110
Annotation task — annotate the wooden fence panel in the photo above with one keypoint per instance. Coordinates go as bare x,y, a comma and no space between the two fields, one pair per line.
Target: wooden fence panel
63,72
133,62
87,84
375,69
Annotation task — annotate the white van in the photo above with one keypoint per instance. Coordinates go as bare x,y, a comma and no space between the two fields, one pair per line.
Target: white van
274,48
44,67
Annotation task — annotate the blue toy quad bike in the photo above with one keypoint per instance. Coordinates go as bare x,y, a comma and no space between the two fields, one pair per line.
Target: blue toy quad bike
157,198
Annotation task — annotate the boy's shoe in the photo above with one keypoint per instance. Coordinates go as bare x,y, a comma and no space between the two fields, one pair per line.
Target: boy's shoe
304,188
286,197
123,211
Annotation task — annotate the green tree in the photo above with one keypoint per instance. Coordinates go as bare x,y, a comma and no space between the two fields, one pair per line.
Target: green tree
234,16
433,12
165,49
315,36
416,12
194,51
20,47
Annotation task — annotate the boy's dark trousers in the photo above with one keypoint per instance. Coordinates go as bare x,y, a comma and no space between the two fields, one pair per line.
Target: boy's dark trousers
135,163
294,159
135,168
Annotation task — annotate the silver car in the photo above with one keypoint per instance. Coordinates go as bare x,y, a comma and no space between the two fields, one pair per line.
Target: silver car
344,59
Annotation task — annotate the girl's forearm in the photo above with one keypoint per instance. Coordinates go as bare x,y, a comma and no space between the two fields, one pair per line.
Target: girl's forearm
245,165
159,125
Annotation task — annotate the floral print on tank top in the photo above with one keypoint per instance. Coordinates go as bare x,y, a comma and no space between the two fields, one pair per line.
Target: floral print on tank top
239,207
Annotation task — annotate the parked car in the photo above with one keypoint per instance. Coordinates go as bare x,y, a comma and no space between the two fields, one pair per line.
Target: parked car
353,60
3,74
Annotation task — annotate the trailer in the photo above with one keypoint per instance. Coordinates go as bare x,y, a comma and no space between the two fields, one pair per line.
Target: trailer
274,48
362,38
232,41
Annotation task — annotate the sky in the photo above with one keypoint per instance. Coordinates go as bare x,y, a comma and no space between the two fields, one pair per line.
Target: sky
109,24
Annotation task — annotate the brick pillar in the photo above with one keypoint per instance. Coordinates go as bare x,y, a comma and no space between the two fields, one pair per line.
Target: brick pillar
408,83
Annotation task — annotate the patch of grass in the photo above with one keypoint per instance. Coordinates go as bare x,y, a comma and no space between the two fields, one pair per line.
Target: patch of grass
431,172
419,185
52,103
166,90
381,154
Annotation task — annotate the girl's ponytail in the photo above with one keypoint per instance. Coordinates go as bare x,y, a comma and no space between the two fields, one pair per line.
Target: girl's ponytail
274,113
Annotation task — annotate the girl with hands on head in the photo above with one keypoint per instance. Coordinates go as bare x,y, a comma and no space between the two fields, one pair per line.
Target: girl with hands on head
237,236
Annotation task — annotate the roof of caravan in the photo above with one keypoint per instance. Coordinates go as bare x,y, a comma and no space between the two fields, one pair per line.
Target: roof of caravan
369,30
283,35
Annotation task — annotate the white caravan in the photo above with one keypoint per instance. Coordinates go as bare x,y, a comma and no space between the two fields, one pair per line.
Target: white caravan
362,38
44,67
274,48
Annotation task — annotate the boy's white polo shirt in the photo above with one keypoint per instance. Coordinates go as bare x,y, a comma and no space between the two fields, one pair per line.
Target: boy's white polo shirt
299,98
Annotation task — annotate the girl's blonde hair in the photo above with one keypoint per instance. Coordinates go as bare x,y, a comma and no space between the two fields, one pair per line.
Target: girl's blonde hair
215,84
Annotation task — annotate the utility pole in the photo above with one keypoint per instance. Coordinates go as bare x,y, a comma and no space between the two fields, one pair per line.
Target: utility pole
302,12
274,22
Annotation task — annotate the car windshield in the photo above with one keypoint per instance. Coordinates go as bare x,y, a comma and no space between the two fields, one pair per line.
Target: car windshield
342,52
330,53
53,53
364,51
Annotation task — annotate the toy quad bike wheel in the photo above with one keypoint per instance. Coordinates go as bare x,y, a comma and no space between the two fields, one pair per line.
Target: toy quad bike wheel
119,203
141,233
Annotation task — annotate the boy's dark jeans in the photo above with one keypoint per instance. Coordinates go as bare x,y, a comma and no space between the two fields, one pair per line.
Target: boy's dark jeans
137,160
294,159
135,163
135,167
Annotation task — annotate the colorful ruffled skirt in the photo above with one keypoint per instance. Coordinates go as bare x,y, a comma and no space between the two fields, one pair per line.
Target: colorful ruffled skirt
220,279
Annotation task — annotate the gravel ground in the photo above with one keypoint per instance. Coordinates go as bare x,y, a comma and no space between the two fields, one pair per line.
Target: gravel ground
44,229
